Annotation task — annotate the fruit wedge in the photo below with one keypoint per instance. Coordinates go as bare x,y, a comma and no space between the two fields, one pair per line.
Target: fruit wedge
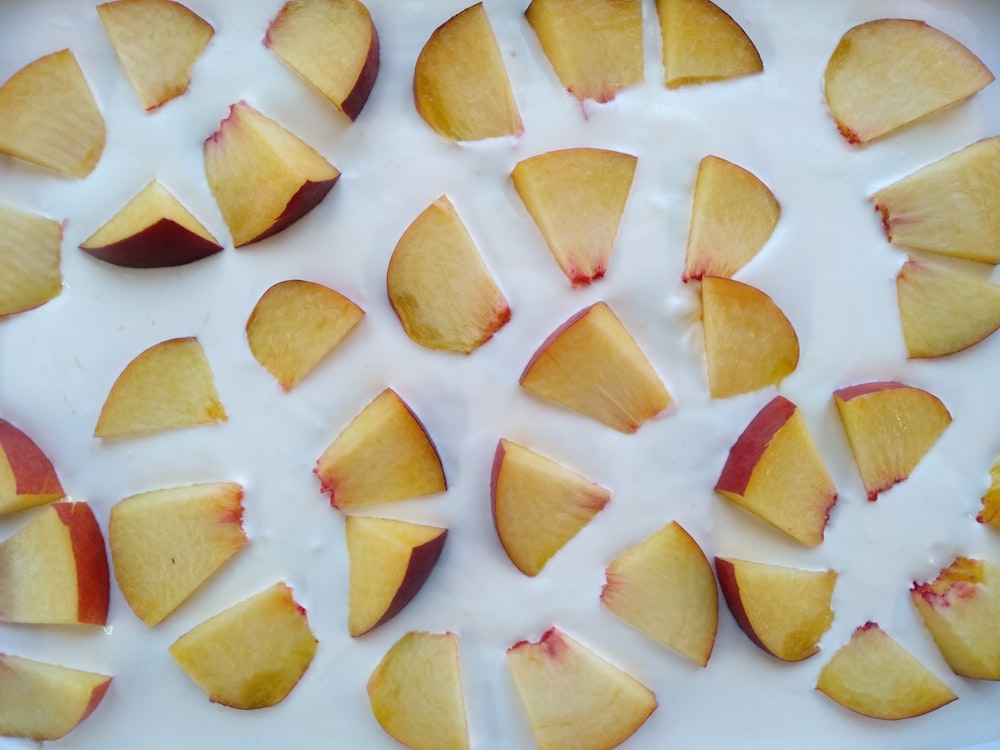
30,248
27,477
990,514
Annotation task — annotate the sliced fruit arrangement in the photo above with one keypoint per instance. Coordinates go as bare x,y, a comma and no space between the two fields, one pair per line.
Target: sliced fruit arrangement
332,44
990,514
439,286
577,198
48,116
887,73
30,250
27,476
890,427
593,366
664,587
538,505
460,84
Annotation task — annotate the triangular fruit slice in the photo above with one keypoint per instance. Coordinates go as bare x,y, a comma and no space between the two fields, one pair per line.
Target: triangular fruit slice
252,654
595,47
166,543
577,198
30,250
383,455
157,43
439,286
168,386
890,426
48,116
593,366
573,697
702,43
460,85
27,477
784,611
263,177
749,343
734,214
153,230
775,471
390,562
538,505
949,207
295,325
990,514
416,692
664,587
887,73
874,676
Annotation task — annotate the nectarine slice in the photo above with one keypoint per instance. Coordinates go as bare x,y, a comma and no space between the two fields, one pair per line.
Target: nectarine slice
30,249
990,514
27,477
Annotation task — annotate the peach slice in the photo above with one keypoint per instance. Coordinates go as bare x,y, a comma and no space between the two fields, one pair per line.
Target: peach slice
295,325
538,505
573,697
874,676
595,47
168,386
263,177
593,366
577,198
702,43
734,214
439,286
30,249
157,43
166,543
390,562
887,73
251,655
775,471
416,692
990,514
27,477
383,455
890,426
55,569
664,587
153,230
48,116
43,702
784,611
749,343
961,609
460,85
332,44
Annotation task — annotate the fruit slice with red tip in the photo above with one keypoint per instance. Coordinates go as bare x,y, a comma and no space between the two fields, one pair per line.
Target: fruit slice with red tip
27,477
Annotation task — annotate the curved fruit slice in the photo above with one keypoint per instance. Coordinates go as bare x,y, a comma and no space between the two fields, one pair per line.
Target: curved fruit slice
55,569
153,230
157,42
875,676
990,514
332,44
27,477
538,505
749,343
383,455
166,543
664,587
734,214
950,206
263,177
577,198
30,248
593,366
295,325
775,471
416,692
44,702
573,697
784,611
890,426
887,73
439,286
48,116
961,609
702,43
460,85
595,46
168,386
252,654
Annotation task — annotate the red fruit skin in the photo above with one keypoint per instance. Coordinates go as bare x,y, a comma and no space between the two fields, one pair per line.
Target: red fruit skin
165,244
33,472
751,444
92,575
